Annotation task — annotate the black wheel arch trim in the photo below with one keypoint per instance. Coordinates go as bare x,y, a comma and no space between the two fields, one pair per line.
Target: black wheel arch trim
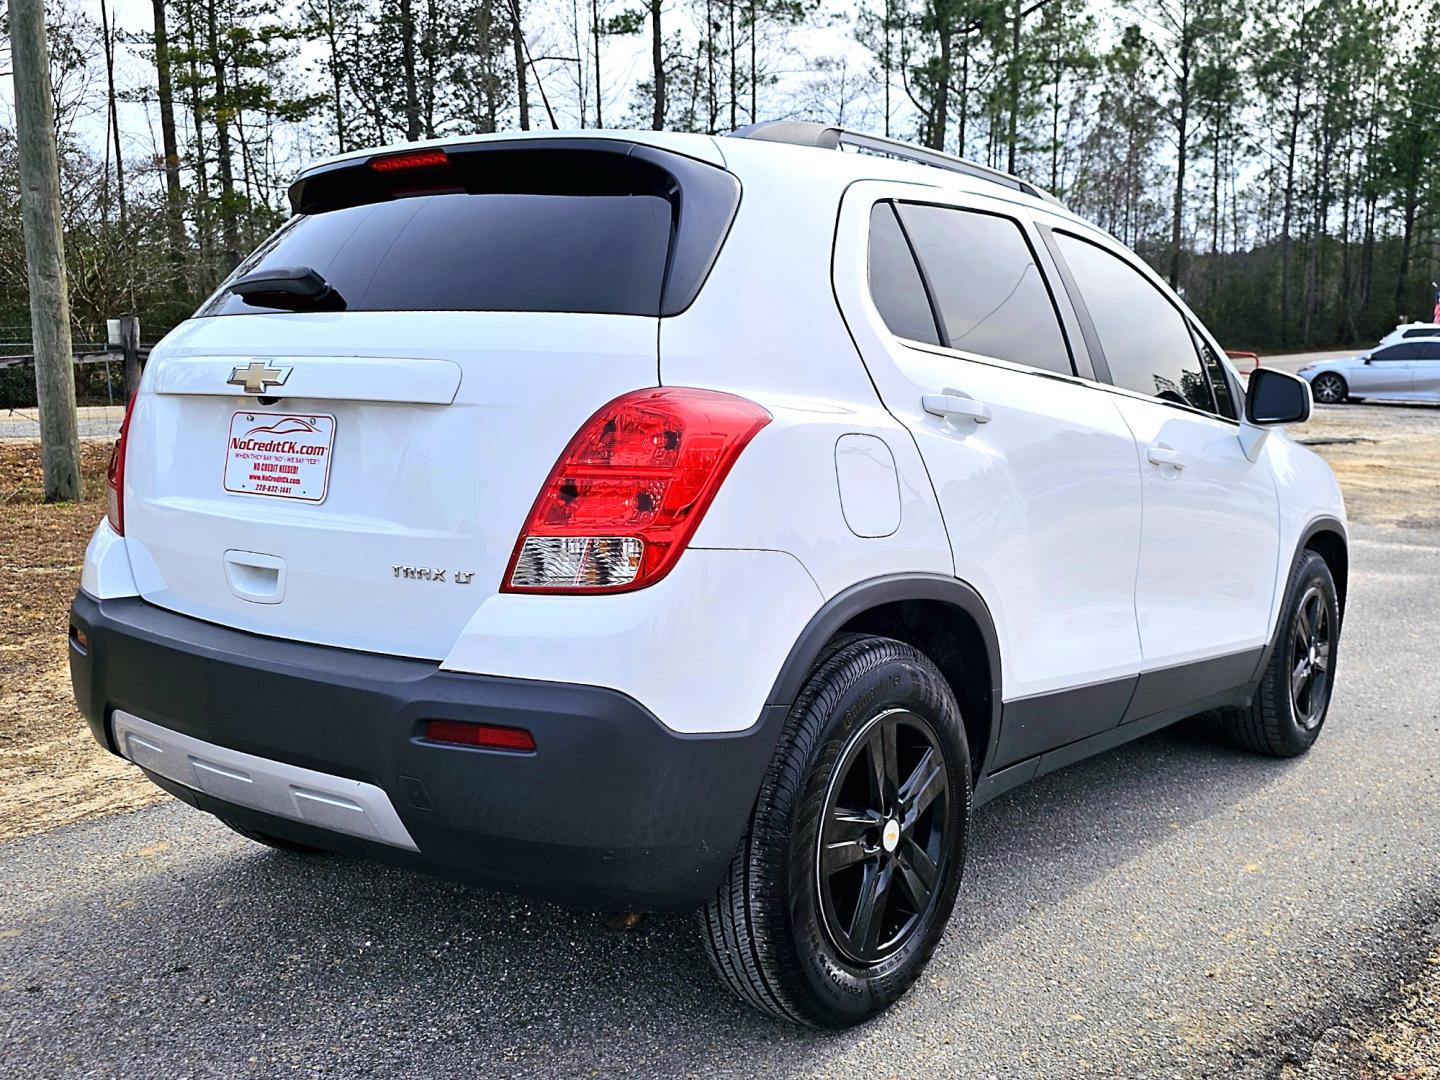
1327,524
1323,525
873,593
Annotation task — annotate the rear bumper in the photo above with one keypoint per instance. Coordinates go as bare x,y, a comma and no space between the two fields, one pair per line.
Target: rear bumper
612,810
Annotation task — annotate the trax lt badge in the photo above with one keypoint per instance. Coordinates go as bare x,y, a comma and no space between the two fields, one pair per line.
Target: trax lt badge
258,376
432,573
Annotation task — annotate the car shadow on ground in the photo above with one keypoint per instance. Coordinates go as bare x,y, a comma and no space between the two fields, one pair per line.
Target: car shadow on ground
312,949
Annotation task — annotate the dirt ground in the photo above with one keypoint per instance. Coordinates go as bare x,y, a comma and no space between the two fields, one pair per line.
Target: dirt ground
1387,458
51,771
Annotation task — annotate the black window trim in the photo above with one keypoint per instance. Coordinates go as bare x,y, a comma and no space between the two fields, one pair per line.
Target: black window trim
1011,365
1202,341
1092,337
919,272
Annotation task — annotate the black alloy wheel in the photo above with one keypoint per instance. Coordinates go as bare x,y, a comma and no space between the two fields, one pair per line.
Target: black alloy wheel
1310,642
840,890
883,841
1288,709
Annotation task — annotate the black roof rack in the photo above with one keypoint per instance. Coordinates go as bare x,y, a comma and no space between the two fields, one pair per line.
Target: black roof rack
830,137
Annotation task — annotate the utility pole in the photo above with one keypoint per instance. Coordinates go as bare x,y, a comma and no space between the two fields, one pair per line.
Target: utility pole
1014,86
45,251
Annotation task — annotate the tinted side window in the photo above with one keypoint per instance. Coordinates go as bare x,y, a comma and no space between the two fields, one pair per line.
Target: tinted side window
1427,350
1146,342
1406,351
987,285
895,283
1423,332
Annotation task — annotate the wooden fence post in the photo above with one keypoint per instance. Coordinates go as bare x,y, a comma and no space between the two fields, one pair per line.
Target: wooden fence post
130,346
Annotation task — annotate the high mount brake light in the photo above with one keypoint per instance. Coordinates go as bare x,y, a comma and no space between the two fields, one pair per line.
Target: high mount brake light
410,159
115,475
629,490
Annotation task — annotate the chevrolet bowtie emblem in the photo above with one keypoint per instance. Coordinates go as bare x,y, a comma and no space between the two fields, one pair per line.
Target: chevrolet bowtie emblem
258,376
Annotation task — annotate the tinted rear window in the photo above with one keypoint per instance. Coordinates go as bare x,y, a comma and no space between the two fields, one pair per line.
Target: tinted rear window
457,252
626,231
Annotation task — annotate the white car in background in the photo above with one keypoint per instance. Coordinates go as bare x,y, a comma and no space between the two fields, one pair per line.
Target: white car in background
1410,331
1405,370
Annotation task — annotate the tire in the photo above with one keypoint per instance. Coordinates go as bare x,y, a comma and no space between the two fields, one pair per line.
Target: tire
1329,388
785,930
1281,720
279,843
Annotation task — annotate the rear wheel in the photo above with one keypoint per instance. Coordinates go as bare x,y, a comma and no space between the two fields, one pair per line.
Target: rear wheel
1289,708
1329,389
843,885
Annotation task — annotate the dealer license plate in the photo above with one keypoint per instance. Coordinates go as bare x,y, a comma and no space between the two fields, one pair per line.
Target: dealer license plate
279,455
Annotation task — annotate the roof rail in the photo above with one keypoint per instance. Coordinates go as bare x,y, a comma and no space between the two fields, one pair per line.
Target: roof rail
830,137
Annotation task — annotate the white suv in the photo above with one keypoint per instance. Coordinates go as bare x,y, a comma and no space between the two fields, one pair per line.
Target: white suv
654,521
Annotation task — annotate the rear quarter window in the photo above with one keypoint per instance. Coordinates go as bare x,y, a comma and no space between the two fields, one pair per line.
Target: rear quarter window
895,283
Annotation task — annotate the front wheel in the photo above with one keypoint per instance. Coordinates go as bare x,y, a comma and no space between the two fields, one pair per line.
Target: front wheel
842,887
1289,708
1329,389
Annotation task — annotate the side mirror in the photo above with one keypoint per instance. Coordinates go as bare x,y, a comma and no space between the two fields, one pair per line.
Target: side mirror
1276,397
1368,357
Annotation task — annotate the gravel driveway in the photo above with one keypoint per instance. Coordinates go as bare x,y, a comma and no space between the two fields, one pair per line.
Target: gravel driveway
1174,908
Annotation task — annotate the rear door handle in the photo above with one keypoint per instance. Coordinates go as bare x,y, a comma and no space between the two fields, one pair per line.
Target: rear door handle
953,405
1163,455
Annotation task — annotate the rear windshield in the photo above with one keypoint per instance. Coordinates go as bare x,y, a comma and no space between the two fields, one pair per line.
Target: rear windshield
480,253
532,231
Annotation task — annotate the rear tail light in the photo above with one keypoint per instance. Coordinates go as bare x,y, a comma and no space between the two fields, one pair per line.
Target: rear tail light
485,736
628,492
115,476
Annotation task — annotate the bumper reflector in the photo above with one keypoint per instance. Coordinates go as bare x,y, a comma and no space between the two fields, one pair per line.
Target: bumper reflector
486,736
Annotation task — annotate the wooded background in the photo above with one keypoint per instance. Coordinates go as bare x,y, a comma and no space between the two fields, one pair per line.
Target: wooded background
1275,160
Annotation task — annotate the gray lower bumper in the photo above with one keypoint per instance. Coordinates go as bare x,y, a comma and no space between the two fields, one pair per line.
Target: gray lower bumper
272,787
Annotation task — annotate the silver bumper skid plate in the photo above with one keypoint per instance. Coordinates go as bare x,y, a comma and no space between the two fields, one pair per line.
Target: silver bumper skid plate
272,787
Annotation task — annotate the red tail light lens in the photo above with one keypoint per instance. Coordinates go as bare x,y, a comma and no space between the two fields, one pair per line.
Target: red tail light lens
628,492
486,736
115,476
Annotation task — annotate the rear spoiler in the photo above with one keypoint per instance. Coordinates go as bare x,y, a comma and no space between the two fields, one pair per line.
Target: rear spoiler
703,196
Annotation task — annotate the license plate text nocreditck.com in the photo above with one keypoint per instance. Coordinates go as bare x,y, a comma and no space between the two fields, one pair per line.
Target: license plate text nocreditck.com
279,455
